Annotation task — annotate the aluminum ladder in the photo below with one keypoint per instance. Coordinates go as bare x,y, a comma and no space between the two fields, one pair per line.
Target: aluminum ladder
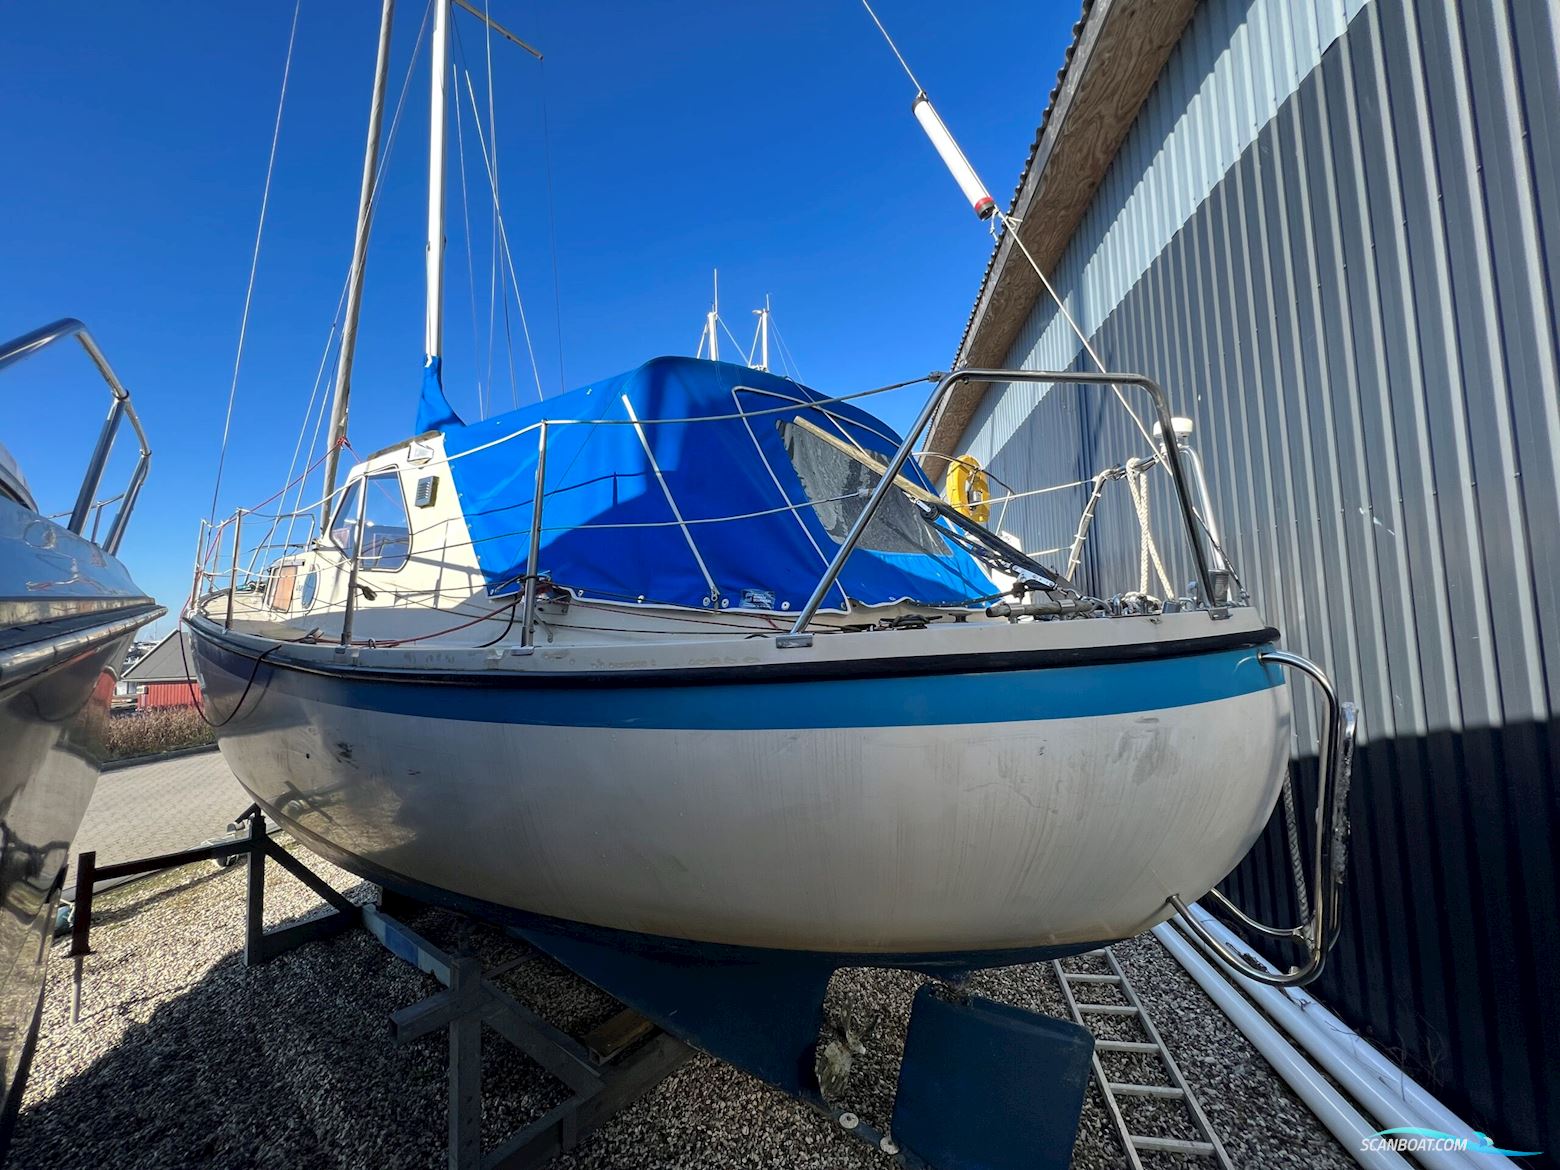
1176,1090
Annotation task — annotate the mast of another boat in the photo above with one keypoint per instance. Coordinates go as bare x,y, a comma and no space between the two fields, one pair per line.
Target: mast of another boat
712,324
337,433
763,336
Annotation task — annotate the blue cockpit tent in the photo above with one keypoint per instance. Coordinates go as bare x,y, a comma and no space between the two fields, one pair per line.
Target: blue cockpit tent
743,509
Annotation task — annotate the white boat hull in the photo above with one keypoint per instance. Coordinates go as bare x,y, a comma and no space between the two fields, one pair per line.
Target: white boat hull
878,816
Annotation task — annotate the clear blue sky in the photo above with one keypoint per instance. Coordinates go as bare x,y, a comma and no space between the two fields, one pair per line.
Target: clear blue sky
774,141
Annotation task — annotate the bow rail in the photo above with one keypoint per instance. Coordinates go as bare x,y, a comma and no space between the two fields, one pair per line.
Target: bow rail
20,348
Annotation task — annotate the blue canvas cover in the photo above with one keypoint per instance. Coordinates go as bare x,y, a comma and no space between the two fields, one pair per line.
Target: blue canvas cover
610,530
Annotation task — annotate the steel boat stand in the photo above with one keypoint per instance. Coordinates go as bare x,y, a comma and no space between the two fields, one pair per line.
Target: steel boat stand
605,1070
982,1085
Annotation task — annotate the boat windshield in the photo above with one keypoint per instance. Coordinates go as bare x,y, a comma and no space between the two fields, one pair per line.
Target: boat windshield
838,482
832,463
388,531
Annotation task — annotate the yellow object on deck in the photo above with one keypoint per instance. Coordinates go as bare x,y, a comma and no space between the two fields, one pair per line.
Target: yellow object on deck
968,488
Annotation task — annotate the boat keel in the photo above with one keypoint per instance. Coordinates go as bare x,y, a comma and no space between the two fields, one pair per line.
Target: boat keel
982,1085
760,1011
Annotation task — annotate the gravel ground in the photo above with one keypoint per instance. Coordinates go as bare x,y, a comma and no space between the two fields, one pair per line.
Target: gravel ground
184,1057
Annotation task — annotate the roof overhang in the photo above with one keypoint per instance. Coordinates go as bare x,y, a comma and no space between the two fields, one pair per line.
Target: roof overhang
1120,48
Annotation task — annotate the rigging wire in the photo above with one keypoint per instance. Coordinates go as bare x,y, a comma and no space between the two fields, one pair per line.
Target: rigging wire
254,260
905,65
509,340
552,226
793,370
465,215
331,336
1010,224
319,419
503,237
733,337
309,411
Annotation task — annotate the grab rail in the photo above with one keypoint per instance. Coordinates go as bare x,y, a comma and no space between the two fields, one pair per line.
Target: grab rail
1172,456
1329,860
30,343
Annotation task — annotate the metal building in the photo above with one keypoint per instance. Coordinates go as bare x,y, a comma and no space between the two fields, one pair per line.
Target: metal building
1331,229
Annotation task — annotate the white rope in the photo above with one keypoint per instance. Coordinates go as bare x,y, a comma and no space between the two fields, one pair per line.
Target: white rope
1055,487
671,502
820,404
254,259
603,526
1147,550
764,459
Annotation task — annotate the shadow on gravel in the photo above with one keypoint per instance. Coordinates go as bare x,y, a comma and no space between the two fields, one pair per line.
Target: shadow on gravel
286,1065
185,1057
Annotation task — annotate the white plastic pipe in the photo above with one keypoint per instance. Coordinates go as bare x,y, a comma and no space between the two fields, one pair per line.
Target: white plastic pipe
953,158
1342,1120
1389,1094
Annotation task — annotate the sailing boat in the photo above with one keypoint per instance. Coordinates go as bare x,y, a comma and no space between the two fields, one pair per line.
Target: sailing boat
690,676
68,612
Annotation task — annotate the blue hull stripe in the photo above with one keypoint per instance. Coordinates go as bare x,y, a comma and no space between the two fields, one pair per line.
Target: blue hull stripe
1055,692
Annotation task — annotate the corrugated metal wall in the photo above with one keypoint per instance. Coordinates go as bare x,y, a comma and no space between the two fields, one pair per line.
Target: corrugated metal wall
1361,319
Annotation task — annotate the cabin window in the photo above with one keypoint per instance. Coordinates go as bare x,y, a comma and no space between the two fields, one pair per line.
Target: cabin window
838,484
387,541
310,587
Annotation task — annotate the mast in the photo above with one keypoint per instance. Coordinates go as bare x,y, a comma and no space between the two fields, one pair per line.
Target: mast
712,321
349,327
433,332
763,336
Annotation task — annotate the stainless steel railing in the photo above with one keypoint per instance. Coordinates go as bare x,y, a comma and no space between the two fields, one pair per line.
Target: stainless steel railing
1170,453
1319,931
119,409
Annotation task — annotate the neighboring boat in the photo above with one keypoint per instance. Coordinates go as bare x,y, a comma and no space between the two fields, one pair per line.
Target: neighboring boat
691,677
68,612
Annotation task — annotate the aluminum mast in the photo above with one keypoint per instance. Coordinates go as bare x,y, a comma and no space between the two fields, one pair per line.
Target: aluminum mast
349,326
433,331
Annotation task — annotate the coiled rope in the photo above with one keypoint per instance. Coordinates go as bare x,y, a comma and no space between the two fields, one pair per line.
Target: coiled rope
1148,551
